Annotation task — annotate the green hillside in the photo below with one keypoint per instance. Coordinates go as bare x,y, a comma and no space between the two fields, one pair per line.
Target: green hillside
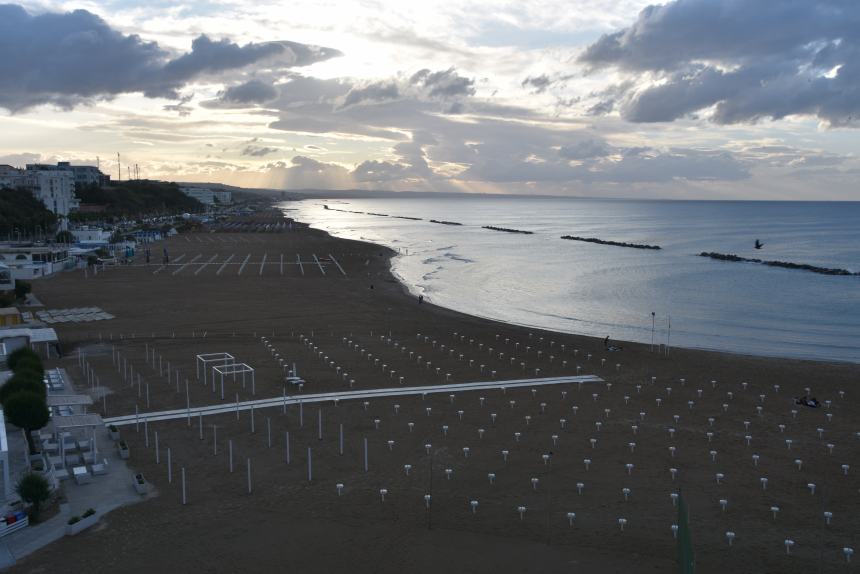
132,198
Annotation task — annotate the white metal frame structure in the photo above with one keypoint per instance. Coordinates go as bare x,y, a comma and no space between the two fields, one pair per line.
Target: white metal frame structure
235,369
206,358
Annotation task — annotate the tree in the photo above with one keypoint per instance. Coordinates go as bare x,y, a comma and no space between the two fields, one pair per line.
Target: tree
30,363
23,381
21,211
33,488
18,354
65,237
27,410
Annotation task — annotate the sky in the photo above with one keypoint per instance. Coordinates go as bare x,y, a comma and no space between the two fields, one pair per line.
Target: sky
690,99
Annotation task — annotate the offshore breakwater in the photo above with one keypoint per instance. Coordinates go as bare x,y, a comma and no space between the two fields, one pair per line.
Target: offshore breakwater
613,243
782,264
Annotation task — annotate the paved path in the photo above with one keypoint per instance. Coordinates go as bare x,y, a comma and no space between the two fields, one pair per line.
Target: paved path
284,400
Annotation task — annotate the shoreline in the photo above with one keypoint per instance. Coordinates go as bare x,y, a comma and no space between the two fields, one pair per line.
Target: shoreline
408,290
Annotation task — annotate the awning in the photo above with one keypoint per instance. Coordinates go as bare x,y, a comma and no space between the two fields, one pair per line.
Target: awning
36,335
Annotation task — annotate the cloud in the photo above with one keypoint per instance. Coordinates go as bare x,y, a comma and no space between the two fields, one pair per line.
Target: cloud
411,163
180,107
586,149
258,151
374,92
250,92
495,143
70,58
443,84
20,159
597,162
306,173
538,83
736,61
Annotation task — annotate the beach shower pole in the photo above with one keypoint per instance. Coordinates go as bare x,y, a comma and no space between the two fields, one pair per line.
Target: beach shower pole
653,325
668,335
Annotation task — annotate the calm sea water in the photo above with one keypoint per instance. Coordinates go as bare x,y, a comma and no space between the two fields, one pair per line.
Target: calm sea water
544,281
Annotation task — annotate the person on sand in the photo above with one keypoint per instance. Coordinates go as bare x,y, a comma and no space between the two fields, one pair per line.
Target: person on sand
606,342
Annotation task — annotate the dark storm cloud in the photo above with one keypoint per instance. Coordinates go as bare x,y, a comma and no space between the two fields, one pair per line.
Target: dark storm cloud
749,60
73,57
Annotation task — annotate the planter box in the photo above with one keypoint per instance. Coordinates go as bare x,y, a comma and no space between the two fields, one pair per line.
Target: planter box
140,488
114,435
123,453
82,524
13,522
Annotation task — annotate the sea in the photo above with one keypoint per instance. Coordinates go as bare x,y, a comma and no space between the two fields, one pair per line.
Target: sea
670,296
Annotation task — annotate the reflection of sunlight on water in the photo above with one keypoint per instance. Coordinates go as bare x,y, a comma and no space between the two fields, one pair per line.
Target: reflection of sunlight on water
542,281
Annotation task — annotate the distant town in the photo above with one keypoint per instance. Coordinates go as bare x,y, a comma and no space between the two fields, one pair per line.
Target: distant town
61,216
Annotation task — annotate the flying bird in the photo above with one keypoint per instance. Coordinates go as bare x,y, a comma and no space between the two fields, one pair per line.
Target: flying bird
758,244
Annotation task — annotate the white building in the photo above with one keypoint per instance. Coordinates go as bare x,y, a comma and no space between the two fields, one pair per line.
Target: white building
91,235
34,261
53,186
208,196
85,174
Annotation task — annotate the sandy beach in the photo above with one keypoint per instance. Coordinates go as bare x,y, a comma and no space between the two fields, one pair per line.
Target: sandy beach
342,300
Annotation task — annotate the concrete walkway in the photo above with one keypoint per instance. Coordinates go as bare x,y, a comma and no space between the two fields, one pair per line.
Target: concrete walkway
104,493
344,396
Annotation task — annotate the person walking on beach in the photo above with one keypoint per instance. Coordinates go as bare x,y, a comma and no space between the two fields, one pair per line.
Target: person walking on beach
606,342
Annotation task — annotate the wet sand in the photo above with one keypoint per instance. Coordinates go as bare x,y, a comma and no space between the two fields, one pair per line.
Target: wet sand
288,522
